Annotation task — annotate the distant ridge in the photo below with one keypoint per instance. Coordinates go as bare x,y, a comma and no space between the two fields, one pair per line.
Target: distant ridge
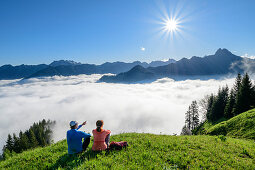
222,62
218,64
63,63
69,67
137,73
17,72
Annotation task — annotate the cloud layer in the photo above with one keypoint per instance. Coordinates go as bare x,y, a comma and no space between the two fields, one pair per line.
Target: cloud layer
157,107
248,56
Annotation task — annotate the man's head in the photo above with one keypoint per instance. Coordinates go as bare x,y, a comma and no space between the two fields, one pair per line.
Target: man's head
73,125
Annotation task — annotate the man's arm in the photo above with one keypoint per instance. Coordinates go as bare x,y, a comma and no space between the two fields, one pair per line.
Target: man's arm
84,135
84,123
79,127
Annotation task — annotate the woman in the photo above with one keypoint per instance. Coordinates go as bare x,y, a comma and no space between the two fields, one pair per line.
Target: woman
101,137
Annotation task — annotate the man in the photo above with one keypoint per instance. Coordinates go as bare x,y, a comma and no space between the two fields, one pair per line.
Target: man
74,138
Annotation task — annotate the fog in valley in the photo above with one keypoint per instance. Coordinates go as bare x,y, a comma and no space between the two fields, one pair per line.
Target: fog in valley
158,107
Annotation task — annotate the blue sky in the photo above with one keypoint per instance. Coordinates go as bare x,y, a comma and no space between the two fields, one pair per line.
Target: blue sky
96,31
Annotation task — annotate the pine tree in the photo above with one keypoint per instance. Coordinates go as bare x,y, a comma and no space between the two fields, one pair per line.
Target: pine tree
41,140
16,144
219,104
228,111
209,107
237,85
188,118
244,97
194,115
9,143
44,123
39,134
32,139
253,96
24,142
236,88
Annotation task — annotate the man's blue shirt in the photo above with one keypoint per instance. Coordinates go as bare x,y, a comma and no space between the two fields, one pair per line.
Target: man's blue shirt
74,140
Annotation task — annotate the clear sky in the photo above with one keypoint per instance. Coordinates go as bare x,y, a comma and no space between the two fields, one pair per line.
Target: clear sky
96,31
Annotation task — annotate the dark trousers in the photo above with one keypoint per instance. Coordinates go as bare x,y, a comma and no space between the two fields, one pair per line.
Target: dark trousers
85,143
107,140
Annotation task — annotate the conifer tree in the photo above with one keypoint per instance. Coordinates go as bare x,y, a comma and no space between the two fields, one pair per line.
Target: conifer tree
9,143
39,134
44,123
219,104
32,139
244,96
41,140
236,88
228,111
16,144
24,142
253,96
188,118
209,107
237,84
194,115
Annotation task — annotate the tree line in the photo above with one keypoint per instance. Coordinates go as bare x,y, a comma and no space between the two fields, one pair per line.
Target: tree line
224,105
39,134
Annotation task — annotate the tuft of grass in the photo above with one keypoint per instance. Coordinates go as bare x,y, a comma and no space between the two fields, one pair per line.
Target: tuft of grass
145,151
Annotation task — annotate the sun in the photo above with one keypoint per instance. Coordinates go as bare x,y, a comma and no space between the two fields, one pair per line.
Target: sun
171,25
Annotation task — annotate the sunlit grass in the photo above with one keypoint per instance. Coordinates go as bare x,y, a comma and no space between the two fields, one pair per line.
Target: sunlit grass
145,151
240,126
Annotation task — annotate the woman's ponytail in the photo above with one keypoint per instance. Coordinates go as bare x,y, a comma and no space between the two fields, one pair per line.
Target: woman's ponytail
99,125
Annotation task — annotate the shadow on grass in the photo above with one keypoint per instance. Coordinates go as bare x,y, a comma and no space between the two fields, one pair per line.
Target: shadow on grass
70,161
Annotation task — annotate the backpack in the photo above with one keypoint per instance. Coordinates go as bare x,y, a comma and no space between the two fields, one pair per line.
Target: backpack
118,145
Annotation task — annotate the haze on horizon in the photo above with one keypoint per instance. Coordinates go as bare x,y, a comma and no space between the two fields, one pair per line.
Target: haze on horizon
34,32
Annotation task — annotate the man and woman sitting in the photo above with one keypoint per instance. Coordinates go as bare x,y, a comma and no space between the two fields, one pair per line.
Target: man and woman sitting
74,138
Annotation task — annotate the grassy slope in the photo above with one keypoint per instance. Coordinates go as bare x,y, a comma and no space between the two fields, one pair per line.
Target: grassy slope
241,126
146,151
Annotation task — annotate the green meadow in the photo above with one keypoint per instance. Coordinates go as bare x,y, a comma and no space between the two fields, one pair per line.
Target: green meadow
145,151
240,126
226,145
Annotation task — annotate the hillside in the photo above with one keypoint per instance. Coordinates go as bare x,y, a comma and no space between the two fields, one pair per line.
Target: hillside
240,126
145,151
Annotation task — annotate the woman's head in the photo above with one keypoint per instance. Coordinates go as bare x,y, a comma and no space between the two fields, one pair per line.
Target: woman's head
99,125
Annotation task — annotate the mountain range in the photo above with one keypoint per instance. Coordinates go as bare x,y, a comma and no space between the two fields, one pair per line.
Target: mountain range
67,68
222,62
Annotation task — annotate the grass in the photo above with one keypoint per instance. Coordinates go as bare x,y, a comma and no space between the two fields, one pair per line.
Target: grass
240,126
145,151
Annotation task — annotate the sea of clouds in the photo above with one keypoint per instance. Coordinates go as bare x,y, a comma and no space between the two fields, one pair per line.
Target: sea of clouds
158,107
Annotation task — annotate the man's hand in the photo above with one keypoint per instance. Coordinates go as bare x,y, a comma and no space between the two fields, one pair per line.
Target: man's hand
84,123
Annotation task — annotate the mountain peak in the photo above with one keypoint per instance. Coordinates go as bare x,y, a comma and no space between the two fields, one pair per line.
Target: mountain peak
138,67
63,62
222,51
